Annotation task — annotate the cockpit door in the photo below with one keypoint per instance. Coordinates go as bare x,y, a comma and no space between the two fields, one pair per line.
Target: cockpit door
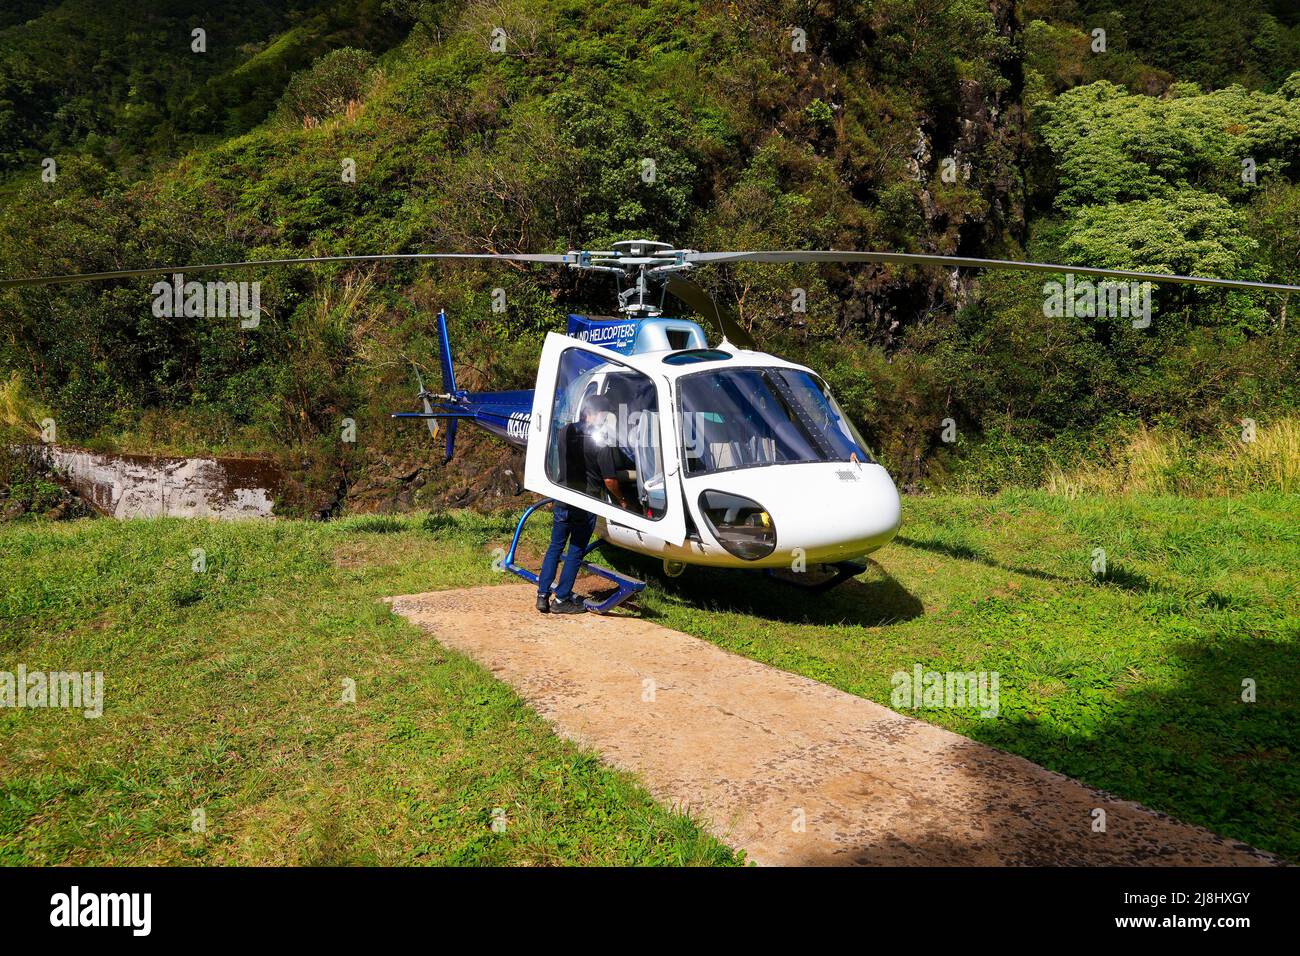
628,429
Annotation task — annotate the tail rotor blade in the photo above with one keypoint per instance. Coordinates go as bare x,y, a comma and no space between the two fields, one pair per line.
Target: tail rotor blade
424,398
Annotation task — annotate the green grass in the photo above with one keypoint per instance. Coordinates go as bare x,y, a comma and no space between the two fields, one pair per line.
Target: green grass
223,691
223,688
1132,682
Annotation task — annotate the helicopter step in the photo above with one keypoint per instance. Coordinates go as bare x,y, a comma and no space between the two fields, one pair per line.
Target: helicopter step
625,587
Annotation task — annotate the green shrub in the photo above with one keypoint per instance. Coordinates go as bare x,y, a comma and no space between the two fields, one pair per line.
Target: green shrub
328,86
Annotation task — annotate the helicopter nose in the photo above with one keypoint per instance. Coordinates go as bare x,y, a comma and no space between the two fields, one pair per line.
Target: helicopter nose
858,510
821,512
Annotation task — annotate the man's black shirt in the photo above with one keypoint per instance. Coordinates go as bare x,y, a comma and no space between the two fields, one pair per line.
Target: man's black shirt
585,462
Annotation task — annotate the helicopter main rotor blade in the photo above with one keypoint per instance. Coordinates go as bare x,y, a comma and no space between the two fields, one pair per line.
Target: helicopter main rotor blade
703,303
255,263
909,258
774,256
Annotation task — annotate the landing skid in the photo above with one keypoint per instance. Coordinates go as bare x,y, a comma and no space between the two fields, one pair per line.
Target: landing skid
843,571
625,587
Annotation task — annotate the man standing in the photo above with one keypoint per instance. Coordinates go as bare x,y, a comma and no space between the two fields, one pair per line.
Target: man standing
588,465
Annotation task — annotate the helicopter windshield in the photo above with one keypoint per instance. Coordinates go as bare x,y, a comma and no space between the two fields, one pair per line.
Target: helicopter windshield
744,417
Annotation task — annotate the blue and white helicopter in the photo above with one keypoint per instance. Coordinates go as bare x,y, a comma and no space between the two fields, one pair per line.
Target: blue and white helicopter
729,457
722,446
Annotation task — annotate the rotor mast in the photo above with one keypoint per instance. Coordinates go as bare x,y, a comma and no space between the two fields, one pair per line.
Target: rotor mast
644,264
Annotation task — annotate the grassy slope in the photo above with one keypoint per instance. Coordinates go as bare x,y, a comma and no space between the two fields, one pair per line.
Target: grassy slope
222,688
222,691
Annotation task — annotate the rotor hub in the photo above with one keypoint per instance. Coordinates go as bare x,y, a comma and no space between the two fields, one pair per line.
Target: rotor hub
644,263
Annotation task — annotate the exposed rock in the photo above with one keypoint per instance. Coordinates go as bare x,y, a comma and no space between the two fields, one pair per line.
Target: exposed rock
485,474
29,484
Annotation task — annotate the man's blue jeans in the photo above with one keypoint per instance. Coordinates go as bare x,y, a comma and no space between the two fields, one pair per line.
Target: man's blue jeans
572,526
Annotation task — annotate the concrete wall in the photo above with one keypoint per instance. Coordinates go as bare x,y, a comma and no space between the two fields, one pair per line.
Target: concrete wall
145,486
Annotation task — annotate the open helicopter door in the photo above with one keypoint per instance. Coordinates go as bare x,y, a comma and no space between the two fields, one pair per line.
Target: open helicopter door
634,436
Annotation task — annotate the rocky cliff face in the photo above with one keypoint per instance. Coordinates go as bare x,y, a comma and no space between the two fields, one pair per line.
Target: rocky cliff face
485,474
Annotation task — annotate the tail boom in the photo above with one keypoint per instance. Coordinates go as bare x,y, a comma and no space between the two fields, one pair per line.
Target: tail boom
504,414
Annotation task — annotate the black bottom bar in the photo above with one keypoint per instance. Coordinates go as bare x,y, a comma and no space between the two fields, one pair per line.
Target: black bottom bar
219,906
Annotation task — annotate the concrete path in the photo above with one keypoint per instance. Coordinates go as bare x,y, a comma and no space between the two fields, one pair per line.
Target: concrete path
789,770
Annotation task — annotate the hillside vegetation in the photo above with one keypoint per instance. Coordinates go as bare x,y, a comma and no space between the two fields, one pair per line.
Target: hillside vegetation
1130,157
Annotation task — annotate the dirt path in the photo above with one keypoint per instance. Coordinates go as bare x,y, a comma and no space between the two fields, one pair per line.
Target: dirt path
785,768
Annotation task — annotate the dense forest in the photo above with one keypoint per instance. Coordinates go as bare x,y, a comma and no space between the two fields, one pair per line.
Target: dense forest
1136,134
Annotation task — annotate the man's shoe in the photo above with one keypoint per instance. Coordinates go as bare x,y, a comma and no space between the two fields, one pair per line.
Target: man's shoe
572,605
544,603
